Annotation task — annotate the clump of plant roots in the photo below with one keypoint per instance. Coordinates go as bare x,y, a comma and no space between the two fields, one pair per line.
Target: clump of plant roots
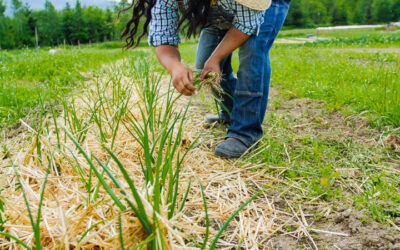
213,82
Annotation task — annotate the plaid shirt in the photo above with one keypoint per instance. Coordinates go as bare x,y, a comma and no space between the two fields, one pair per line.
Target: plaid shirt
165,20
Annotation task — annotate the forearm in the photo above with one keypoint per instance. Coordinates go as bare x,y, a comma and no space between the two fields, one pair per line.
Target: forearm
233,39
182,76
168,56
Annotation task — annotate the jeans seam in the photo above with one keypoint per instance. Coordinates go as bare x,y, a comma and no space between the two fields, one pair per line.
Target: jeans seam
248,93
275,21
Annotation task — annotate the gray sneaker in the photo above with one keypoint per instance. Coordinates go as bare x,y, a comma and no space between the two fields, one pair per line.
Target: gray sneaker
211,119
231,148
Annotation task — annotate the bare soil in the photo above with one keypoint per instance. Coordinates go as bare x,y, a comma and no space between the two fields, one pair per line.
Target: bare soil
345,228
369,50
311,117
342,230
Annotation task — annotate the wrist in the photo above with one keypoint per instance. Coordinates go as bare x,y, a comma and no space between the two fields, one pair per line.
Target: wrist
173,67
215,58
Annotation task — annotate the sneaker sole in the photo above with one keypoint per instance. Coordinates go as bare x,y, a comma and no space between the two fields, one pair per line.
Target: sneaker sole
217,122
227,154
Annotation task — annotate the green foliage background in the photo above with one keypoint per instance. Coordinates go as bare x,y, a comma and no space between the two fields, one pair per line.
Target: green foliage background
311,13
71,25
92,24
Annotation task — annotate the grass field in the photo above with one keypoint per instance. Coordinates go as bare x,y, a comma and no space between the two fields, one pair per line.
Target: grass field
366,82
356,82
126,163
29,77
342,33
360,80
353,38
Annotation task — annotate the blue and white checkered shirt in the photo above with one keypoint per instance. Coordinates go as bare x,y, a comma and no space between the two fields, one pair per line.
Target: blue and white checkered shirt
165,20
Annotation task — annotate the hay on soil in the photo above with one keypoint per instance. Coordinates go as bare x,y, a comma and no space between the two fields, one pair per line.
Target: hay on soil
69,221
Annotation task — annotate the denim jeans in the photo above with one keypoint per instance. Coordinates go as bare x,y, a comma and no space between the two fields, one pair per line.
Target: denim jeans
246,98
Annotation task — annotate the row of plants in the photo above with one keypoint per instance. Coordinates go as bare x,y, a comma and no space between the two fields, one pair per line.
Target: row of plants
126,97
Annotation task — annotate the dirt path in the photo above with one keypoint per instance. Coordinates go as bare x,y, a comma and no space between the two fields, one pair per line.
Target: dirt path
366,50
300,40
314,39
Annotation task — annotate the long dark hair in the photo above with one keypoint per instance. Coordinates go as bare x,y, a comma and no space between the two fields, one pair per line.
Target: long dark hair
193,19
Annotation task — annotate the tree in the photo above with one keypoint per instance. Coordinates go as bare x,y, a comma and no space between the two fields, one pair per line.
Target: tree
79,26
96,22
2,8
3,26
295,15
339,13
16,5
66,23
363,12
49,25
124,17
314,13
396,10
382,11
109,29
23,25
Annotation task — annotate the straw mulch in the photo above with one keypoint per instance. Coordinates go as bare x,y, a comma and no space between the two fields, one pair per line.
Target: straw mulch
67,215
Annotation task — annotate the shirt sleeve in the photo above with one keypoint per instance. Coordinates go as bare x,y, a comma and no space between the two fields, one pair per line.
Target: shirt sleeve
164,23
247,20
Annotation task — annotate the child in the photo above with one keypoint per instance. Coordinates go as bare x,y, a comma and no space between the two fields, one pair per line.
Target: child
226,25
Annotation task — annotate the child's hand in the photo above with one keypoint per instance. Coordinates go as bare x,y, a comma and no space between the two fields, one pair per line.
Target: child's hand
211,65
182,79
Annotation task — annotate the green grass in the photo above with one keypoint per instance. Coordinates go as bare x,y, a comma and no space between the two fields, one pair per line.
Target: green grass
312,168
352,38
29,77
373,40
358,82
325,168
154,122
349,33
